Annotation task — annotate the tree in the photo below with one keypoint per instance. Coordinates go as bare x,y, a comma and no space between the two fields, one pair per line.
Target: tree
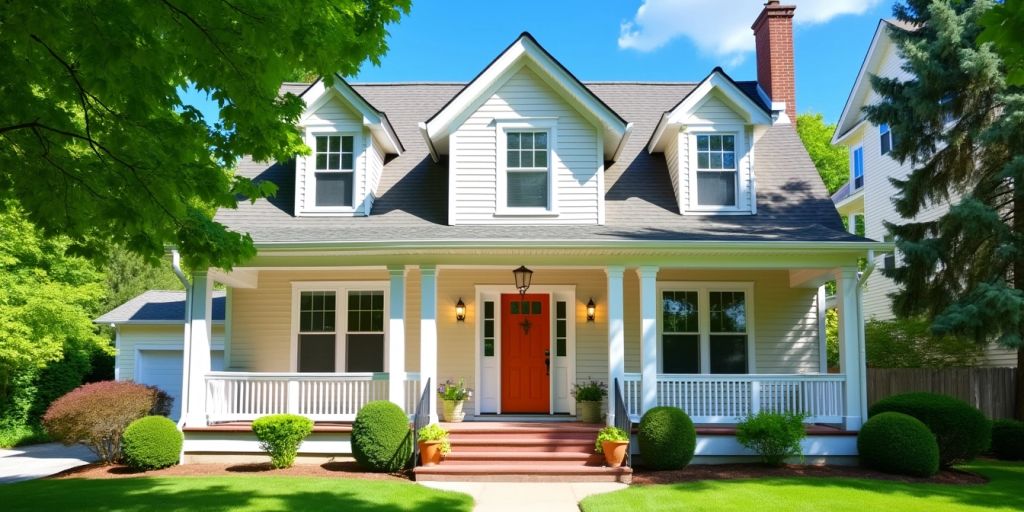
962,128
910,343
95,143
832,162
128,275
1004,24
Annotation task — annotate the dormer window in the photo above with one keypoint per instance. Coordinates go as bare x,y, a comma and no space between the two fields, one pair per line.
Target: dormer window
334,170
527,169
716,170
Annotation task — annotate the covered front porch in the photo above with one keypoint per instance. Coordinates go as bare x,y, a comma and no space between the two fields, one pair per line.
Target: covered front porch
721,336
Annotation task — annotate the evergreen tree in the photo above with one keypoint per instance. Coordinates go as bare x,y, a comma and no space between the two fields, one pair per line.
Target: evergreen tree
962,128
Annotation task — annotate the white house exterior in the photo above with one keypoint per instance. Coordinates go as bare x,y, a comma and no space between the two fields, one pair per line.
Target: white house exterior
868,194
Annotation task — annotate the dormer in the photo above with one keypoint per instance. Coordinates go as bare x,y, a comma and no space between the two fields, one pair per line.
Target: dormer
708,141
349,141
526,143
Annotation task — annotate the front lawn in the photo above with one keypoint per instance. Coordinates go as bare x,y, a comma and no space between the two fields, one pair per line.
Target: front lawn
228,493
1003,492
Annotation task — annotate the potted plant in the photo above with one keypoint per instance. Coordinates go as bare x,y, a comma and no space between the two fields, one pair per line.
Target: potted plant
588,400
433,441
452,398
613,443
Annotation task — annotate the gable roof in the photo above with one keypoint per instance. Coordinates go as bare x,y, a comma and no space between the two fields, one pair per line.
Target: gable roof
318,93
525,50
412,204
158,307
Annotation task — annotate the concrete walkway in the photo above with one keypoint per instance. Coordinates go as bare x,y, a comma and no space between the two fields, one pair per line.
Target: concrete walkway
37,461
534,497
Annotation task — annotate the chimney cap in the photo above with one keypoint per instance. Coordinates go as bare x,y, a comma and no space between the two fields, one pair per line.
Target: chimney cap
773,9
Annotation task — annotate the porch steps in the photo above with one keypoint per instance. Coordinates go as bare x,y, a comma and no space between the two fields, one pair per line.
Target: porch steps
522,452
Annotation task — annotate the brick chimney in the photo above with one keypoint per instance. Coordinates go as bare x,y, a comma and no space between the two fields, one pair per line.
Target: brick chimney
773,33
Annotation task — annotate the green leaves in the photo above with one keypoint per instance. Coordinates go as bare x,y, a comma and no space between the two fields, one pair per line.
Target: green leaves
832,162
1004,24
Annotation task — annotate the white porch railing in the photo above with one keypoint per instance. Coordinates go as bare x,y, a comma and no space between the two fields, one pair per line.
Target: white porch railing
244,396
731,398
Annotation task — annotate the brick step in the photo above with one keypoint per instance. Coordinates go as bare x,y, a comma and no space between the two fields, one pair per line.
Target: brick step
522,473
569,458
522,428
523,445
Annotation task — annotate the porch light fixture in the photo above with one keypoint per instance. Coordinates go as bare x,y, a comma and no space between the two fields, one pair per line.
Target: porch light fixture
591,310
460,310
523,278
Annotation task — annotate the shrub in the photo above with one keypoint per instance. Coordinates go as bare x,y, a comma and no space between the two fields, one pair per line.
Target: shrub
910,343
152,442
774,436
381,437
609,433
1008,439
435,432
96,415
894,442
592,391
961,430
280,435
667,438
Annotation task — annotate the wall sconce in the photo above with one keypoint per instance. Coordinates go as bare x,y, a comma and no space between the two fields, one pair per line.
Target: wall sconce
591,310
460,310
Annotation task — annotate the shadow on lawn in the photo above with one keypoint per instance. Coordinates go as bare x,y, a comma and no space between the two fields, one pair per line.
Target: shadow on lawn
225,493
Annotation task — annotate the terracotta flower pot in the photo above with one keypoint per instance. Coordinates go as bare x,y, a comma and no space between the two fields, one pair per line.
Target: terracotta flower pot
451,411
430,452
589,412
614,452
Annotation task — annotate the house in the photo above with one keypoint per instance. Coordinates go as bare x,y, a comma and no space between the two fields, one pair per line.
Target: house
867,196
668,239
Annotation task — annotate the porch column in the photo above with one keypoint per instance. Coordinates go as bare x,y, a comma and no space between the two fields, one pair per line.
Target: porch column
396,336
648,337
197,352
616,336
428,333
822,331
850,342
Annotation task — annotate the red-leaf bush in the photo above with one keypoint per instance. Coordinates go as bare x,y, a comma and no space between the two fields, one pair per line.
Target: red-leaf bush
96,415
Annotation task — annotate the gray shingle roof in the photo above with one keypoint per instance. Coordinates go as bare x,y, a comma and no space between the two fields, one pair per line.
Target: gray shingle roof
412,202
157,307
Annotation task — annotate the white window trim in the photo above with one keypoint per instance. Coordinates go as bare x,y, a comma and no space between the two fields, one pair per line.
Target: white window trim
501,127
309,172
703,288
341,289
853,167
742,149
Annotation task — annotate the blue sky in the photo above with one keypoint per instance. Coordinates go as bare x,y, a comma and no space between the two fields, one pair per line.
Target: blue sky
658,40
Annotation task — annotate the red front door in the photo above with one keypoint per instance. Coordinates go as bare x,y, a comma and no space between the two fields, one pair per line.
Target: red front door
525,340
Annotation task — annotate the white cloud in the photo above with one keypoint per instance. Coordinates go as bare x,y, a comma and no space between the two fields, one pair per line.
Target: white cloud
718,28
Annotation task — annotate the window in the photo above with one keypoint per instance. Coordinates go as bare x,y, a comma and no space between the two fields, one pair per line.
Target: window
885,138
704,329
365,332
317,336
858,168
561,327
334,166
526,169
889,260
716,170
340,328
488,336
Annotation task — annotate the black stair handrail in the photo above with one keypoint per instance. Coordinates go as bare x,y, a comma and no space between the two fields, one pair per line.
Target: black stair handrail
420,418
622,420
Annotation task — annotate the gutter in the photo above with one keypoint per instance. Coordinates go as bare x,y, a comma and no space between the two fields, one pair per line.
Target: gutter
187,343
867,245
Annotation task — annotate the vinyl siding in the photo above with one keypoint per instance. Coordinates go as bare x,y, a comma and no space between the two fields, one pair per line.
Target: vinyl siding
337,115
132,337
374,168
672,161
474,168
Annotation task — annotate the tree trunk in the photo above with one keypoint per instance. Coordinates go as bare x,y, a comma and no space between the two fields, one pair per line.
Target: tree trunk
1018,283
1018,408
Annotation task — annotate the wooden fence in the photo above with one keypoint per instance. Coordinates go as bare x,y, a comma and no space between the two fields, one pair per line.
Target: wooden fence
988,389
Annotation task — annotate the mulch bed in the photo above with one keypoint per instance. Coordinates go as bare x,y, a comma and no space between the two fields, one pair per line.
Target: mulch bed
738,471
347,469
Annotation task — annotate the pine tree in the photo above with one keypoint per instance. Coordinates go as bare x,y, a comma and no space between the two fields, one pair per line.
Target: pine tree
962,128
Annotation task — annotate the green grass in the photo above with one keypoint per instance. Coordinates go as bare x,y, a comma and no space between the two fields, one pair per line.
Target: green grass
228,493
21,435
1005,491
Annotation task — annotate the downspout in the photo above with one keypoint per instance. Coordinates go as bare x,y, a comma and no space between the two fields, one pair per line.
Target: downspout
862,282
186,346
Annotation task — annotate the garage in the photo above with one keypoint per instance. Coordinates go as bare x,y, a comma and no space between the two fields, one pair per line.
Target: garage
162,368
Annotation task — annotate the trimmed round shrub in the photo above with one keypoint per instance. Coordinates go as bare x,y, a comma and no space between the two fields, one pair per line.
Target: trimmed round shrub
961,430
1008,439
152,442
381,437
667,438
280,435
96,415
897,443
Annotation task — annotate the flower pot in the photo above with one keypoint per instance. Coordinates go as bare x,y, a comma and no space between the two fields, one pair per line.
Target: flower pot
430,452
589,412
451,411
614,452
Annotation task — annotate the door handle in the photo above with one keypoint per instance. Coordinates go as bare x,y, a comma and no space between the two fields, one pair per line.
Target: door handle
547,363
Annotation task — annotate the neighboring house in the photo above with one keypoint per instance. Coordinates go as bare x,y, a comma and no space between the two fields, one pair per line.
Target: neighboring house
688,214
868,195
148,338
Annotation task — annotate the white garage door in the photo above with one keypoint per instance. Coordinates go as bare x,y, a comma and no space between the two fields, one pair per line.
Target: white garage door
162,368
